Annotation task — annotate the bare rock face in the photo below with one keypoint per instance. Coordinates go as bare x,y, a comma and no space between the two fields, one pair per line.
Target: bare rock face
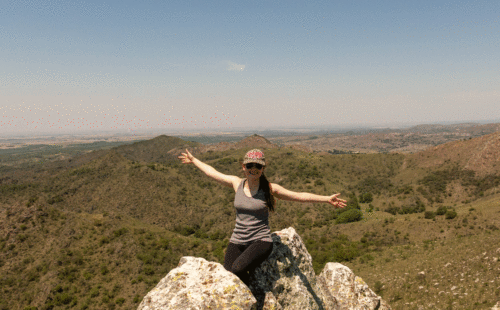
286,280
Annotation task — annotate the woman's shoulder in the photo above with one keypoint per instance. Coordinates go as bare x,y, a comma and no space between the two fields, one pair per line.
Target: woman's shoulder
238,182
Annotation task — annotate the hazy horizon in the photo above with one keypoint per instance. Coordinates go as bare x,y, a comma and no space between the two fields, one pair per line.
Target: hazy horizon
133,66
234,130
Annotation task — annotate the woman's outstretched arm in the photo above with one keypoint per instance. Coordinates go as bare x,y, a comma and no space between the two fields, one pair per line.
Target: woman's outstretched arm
282,193
227,180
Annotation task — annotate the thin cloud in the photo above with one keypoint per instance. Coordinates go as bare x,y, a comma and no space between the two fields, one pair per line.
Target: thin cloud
231,66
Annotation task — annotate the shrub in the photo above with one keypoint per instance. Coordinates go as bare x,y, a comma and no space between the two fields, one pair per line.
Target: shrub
63,298
352,215
441,210
103,240
120,232
352,201
370,208
366,198
346,253
120,301
22,237
429,215
378,287
319,183
136,299
393,210
54,199
149,270
187,230
31,201
416,207
492,227
450,214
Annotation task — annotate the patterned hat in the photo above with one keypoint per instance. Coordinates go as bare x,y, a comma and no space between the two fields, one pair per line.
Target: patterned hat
254,156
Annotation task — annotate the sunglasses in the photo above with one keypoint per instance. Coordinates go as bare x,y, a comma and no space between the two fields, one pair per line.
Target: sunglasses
251,165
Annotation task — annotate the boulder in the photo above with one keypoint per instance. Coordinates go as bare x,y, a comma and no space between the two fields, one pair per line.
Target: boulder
198,284
496,307
350,291
286,280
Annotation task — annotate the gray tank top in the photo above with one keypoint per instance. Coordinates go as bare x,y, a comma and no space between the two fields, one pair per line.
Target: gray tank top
252,217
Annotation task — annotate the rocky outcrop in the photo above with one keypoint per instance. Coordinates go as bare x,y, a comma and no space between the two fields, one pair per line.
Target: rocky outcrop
286,280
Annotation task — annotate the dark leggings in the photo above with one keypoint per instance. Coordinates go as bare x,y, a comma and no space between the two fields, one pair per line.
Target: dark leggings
244,259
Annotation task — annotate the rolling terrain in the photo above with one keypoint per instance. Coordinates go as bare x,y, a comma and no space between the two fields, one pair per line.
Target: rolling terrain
99,229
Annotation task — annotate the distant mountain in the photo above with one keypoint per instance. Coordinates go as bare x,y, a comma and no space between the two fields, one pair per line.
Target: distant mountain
251,142
474,129
155,150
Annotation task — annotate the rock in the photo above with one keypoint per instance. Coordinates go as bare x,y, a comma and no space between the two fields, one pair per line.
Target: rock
198,284
350,291
421,275
286,280
288,273
496,307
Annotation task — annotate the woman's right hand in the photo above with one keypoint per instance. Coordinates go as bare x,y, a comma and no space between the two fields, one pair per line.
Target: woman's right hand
186,158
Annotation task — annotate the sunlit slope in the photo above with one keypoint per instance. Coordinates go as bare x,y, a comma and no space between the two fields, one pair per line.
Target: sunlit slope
481,155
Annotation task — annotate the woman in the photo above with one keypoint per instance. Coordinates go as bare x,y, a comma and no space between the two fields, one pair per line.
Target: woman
251,242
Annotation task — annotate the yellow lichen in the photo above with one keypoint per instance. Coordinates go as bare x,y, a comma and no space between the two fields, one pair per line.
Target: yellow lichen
230,289
178,275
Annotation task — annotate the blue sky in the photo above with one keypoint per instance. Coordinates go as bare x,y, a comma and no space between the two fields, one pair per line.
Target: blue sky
132,65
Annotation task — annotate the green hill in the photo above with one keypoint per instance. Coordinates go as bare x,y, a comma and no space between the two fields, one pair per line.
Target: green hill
99,230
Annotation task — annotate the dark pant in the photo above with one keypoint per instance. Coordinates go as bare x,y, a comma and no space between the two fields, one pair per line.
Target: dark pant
244,259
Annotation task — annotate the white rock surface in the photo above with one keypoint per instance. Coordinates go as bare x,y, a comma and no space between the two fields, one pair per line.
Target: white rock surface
286,280
496,307
198,284
350,291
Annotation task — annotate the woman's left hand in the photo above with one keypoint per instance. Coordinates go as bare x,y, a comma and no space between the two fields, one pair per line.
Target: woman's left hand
336,202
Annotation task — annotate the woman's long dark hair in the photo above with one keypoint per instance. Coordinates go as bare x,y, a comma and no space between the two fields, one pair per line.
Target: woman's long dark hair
266,187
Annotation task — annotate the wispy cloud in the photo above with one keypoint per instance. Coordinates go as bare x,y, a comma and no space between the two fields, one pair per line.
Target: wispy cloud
231,66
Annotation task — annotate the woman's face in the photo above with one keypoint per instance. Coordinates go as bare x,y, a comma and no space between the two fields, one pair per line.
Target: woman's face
253,173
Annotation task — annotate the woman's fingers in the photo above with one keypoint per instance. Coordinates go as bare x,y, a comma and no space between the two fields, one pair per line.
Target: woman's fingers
188,155
185,158
337,202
